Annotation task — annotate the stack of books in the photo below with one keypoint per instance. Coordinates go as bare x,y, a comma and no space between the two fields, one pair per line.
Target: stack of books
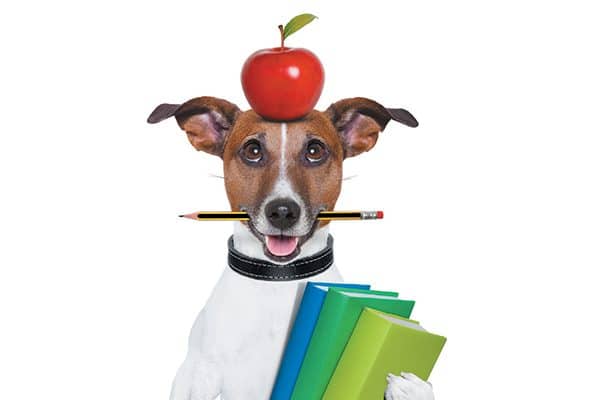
346,338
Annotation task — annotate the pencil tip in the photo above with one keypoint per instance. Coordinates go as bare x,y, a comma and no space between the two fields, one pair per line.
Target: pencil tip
181,216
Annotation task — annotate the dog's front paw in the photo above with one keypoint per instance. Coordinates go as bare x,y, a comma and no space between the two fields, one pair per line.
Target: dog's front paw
407,386
196,380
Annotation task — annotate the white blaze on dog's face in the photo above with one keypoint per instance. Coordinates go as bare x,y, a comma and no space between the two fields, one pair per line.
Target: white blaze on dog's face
282,173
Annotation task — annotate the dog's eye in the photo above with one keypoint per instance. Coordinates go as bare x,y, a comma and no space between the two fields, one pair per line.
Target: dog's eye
252,151
315,152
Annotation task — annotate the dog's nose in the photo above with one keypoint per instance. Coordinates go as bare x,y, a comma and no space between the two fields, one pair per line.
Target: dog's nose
282,213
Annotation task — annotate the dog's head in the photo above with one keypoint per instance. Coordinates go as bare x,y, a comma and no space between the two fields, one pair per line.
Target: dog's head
282,173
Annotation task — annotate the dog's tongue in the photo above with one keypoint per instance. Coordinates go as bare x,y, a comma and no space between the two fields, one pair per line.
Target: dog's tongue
281,246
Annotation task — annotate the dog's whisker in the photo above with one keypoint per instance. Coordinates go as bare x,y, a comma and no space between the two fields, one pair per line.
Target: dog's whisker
216,176
347,178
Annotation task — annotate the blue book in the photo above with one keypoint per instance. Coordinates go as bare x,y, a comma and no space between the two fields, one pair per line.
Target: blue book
306,320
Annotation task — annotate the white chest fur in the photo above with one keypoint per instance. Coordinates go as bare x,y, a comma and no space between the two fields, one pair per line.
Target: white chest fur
239,337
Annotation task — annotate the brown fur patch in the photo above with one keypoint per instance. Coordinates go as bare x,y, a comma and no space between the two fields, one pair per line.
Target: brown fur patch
246,185
318,185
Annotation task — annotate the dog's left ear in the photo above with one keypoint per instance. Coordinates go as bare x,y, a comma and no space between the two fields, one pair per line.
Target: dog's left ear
359,120
206,120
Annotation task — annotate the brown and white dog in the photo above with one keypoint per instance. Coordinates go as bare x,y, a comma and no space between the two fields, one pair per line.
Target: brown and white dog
283,174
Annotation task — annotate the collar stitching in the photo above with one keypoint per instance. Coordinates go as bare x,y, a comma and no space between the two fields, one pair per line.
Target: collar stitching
268,264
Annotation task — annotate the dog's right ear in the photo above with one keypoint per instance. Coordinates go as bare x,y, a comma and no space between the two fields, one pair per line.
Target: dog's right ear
206,120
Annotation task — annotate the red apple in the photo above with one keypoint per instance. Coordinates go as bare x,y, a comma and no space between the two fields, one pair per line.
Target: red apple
283,83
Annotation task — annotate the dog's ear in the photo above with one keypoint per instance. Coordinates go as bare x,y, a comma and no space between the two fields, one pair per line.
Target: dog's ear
206,120
359,120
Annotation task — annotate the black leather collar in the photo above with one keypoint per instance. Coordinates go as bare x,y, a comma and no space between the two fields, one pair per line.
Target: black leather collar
267,271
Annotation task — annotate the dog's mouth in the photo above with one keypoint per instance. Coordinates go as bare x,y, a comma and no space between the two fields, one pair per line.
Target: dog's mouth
281,246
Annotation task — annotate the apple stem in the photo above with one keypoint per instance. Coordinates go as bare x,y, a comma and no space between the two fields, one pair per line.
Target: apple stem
282,37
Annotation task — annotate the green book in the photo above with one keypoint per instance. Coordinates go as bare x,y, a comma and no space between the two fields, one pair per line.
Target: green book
380,344
339,314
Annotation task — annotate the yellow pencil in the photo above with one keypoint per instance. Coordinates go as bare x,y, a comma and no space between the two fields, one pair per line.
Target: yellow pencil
243,216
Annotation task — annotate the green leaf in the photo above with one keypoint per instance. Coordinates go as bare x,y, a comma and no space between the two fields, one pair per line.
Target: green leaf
297,23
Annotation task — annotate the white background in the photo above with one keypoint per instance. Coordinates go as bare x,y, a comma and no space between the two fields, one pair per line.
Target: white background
492,218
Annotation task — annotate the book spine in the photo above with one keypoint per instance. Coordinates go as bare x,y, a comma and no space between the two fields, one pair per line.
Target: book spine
358,357
299,339
311,382
297,343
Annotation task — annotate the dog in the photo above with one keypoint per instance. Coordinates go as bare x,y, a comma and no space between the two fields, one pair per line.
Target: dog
282,174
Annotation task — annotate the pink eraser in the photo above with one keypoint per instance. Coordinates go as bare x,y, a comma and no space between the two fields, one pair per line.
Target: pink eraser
379,214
